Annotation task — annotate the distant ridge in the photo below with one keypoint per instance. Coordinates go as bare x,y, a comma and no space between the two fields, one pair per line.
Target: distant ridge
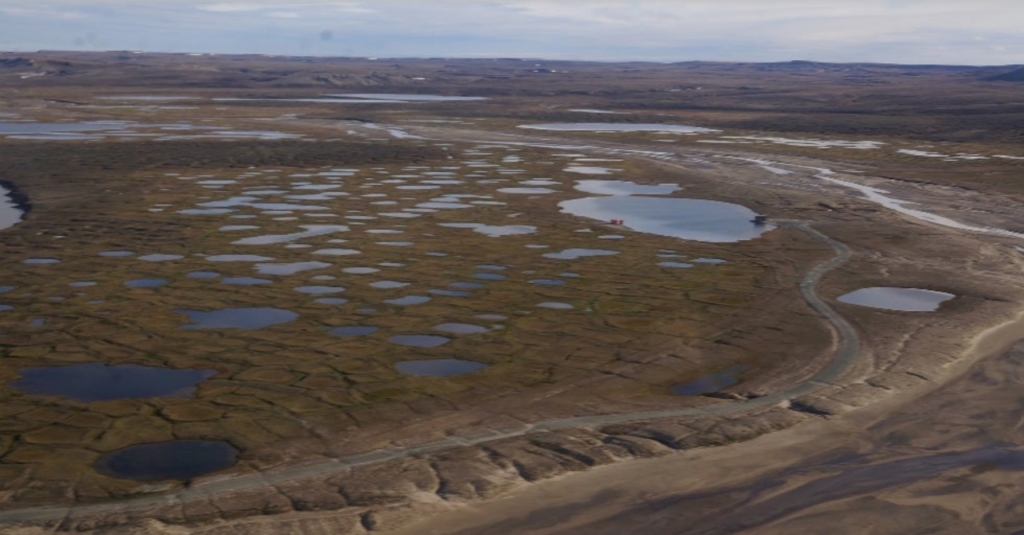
1012,76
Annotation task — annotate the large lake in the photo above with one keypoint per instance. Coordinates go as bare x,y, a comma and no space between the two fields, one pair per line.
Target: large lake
689,219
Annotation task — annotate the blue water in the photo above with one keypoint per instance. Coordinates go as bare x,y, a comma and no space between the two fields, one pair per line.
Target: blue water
419,340
901,299
354,330
238,318
99,382
709,383
439,367
178,459
688,219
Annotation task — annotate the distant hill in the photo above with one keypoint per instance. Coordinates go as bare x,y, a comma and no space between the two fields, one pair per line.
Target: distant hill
1012,76
16,62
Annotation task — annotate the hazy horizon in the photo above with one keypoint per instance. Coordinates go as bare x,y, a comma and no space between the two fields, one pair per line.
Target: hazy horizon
871,31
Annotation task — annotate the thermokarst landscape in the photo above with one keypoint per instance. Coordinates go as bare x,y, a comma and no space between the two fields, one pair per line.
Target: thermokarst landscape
285,295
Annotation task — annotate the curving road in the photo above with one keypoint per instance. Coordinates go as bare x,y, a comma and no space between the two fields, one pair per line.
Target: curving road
848,348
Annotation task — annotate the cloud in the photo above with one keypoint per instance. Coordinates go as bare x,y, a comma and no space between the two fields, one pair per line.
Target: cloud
41,12
908,31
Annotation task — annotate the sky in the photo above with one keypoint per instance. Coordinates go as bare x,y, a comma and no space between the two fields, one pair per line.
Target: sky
978,32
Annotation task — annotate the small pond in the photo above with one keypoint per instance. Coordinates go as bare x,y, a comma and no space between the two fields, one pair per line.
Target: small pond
177,459
573,254
99,382
203,275
460,328
410,97
237,318
439,367
553,305
289,269
619,127
160,257
388,285
900,299
354,330
419,340
245,281
709,383
526,191
319,290
489,276
238,258
494,231
145,283
449,293
408,300
331,301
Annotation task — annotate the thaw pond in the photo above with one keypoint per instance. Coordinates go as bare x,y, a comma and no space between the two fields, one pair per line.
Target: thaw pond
620,127
419,340
573,254
145,283
178,459
245,281
709,383
900,299
203,275
407,97
526,191
554,305
160,257
319,290
408,300
289,269
354,330
439,367
238,258
99,382
494,231
238,318
688,219
460,328
589,170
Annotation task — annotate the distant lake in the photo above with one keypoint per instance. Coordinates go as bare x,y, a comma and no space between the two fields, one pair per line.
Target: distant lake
620,127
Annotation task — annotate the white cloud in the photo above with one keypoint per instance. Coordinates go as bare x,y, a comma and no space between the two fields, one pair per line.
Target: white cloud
907,31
